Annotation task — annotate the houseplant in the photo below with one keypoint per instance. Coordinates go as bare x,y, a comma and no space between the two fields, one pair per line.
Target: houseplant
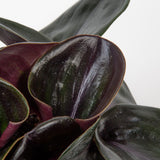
76,81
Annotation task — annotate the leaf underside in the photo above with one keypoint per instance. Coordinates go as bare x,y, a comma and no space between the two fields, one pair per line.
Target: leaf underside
17,59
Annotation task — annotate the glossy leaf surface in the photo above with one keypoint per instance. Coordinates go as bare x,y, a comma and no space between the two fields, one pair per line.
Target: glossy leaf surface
83,147
14,111
123,96
85,17
12,32
90,17
48,139
129,132
78,77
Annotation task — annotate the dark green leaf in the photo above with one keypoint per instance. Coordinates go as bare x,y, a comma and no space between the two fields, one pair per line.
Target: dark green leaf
85,17
83,148
78,77
129,132
14,110
123,96
12,32
48,139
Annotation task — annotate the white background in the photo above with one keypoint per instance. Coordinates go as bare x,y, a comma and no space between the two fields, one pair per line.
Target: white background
136,32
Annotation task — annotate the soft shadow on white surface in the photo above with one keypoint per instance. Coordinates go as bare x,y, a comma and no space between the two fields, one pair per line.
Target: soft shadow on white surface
136,32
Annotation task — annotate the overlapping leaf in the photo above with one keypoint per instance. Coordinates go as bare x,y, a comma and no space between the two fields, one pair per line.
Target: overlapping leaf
90,17
129,132
17,59
15,140
12,32
79,77
48,139
14,110
83,147
85,17
124,96
93,17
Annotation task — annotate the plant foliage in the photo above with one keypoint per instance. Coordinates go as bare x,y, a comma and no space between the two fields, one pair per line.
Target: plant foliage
62,94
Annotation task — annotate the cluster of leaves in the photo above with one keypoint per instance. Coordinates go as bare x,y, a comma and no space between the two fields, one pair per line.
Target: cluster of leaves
66,99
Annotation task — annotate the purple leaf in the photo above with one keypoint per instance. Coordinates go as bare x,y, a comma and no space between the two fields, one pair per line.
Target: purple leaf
78,77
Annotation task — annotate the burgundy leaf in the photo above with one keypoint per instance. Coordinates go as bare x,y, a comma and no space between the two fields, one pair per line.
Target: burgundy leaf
78,77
